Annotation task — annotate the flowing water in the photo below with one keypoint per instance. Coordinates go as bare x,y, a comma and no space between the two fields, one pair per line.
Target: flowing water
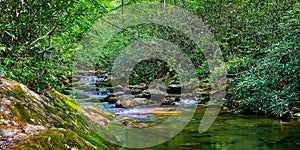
229,131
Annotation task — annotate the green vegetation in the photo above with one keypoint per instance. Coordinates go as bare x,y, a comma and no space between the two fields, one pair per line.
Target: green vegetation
53,118
260,44
38,38
259,40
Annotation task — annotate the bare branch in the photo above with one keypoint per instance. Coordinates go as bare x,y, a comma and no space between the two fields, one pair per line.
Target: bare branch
40,38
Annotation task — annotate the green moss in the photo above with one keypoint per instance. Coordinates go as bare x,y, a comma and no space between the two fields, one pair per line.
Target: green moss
57,140
54,109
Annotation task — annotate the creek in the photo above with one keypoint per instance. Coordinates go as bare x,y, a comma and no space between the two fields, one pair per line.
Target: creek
229,130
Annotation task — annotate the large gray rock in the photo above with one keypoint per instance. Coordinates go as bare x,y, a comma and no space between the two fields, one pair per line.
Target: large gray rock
157,95
131,102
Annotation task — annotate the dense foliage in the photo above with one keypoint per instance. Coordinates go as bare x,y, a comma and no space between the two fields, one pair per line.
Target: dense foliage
259,42
37,38
272,85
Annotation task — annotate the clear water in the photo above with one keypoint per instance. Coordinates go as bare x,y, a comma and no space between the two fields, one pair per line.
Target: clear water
234,131
230,131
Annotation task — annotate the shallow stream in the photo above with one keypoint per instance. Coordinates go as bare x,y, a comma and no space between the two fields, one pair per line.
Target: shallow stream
229,131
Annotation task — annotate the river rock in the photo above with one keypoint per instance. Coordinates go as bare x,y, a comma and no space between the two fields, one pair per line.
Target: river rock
138,96
104,83
146,94
32,113
122,101
142,86
174,89
157,95
112,100
168,101
107,97
131,103
120,93
137,89
140,101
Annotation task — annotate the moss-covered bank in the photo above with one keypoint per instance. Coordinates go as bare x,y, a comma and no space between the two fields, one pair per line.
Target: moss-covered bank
49,120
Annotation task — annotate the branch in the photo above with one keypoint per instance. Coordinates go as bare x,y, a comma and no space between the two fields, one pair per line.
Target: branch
40,38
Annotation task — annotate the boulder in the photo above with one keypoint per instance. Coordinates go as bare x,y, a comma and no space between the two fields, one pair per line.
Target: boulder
120,93
142,86
135,91
29,120
131,102
138,96
157,95
146,94
168,101
174,89
104,83
112,100
107,97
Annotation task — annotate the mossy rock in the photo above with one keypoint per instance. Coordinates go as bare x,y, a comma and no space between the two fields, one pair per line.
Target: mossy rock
62,122
112,100
56,140
105,83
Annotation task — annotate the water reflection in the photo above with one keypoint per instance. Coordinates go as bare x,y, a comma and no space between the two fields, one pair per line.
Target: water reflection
233,131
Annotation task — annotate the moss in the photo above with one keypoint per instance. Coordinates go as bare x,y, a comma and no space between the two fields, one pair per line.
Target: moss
57,140
105,83
56,110
64,100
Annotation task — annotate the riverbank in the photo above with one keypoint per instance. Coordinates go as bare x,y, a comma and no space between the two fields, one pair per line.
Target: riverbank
48,120
52,120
